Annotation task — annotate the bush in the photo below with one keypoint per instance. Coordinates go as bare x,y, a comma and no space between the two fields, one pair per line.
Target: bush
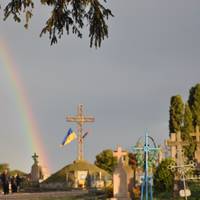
164,178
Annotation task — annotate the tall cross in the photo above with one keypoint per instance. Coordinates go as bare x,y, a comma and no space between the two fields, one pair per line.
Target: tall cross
119,154
176,144
80,120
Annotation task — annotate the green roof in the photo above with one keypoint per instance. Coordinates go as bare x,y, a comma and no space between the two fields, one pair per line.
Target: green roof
60,176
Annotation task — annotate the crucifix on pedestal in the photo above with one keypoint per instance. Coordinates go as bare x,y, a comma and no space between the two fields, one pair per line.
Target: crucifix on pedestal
80,120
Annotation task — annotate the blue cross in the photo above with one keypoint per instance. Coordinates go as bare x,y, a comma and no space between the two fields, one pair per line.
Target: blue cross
146,149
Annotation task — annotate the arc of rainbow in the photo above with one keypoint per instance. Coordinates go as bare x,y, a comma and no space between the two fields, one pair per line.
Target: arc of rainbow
26,114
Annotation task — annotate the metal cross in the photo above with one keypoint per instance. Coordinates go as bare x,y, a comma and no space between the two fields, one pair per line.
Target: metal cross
146,149
80,120
182,168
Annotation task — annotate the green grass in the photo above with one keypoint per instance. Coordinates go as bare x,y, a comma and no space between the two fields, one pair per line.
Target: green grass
193,186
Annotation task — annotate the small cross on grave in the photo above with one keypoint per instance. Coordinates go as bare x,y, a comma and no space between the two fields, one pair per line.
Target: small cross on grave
119,154
176,144
35,158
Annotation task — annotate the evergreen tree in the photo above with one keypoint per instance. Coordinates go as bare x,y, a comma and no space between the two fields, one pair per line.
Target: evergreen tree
176,114
194,103
69,16
186,130
187,122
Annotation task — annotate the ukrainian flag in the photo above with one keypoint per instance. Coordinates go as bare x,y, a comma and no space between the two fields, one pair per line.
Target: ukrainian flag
71,135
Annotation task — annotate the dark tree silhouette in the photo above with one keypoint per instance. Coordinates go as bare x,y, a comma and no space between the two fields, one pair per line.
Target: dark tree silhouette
69,16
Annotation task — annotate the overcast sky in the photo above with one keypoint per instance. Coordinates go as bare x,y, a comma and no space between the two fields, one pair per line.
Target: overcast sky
152,53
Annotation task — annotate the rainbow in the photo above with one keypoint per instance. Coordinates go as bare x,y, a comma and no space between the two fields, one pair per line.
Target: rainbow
30,128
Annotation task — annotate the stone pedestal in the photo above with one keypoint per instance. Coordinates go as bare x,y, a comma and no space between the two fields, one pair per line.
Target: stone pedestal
36,173
120,186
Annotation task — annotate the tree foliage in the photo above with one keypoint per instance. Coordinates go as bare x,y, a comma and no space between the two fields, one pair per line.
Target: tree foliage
105,160
164,178
4,166
187,121
176,114
186,130
194,103
186,118
66,16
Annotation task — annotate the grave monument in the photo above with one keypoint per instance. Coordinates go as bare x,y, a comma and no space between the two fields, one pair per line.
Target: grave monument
150,151
36,170
181,169
122,176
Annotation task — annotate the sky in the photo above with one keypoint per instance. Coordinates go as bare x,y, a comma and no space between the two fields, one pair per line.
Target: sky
152,53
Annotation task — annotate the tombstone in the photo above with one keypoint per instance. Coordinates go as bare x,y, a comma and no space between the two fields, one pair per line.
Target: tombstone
78,178
81,177
196,134
176,144
122,177
36,170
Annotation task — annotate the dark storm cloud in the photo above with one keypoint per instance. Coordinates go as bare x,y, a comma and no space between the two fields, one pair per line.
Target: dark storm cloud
152,53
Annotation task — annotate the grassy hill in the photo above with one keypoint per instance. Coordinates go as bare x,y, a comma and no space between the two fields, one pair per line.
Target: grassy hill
60,176
14,172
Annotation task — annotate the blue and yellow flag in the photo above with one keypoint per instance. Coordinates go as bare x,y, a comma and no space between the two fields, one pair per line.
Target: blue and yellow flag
71,135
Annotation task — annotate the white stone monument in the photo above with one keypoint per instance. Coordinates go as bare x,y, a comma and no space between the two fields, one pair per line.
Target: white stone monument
122,177
36,170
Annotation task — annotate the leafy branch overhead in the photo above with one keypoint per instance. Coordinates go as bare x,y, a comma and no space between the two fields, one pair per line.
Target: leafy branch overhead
69,16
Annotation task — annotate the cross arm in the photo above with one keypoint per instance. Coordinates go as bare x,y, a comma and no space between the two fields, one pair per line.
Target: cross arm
137,148
89,119
73,119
